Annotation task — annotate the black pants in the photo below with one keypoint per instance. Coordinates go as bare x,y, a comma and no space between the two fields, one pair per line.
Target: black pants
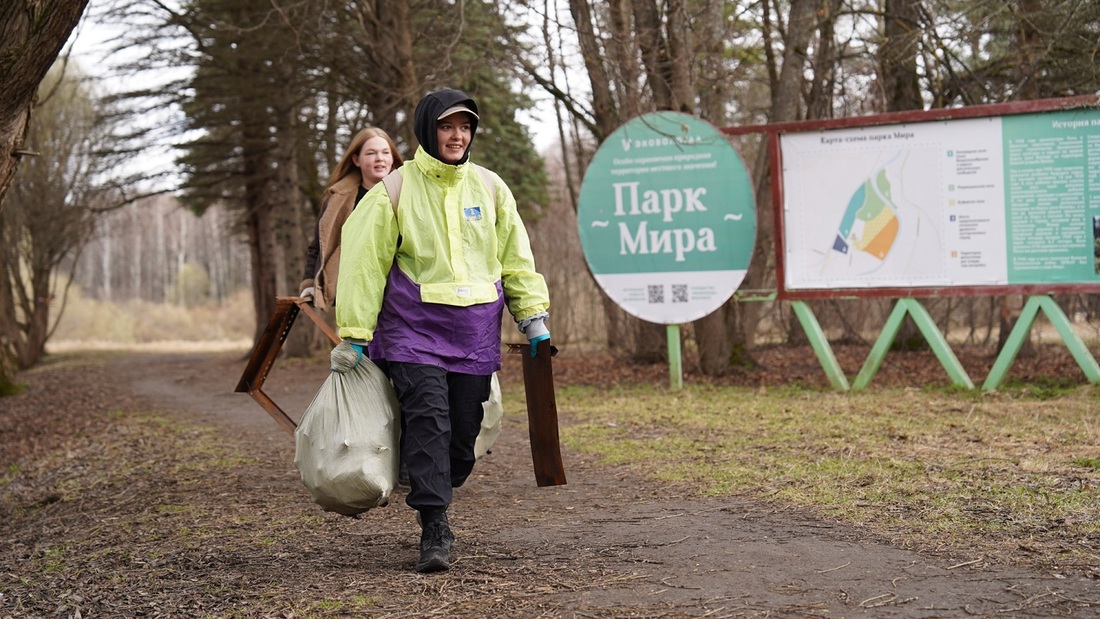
441,416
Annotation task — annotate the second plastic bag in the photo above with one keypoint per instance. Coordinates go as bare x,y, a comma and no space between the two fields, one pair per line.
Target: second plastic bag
491,421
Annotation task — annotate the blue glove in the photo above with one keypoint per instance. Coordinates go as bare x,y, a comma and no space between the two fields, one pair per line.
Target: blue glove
535,343
536,331
359,348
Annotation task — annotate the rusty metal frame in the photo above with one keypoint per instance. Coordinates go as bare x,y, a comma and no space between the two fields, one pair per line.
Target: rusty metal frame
267,350
542,412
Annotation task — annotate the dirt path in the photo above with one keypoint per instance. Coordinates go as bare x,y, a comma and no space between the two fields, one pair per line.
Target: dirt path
608,544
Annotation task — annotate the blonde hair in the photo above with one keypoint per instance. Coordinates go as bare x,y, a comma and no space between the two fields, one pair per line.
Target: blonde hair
347,167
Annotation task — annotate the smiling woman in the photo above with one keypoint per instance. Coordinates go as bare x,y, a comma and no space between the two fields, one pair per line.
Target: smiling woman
369,158
453,133
425,282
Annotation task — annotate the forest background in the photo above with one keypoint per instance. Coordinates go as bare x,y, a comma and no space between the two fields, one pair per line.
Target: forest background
180,206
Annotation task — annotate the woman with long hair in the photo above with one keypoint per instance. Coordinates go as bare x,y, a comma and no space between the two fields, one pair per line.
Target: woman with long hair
370,157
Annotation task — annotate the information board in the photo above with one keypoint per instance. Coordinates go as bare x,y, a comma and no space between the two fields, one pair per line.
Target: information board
998,201
667,218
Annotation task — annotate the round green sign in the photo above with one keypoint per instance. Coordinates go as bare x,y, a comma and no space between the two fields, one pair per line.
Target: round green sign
667,218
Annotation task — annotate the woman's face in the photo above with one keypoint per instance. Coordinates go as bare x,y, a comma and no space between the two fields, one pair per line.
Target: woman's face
374,160
453,134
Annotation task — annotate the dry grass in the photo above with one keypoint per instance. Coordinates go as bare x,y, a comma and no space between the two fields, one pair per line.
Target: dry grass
100,325
940,470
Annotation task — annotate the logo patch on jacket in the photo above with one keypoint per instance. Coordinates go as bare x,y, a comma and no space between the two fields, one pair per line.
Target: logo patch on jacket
473,213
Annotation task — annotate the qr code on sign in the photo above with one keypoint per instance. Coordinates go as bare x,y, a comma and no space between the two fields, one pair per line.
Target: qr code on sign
679,293
656,294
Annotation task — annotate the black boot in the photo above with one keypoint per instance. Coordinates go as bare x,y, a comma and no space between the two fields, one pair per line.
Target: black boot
435,544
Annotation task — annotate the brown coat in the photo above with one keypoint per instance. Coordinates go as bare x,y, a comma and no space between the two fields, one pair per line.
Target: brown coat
337,204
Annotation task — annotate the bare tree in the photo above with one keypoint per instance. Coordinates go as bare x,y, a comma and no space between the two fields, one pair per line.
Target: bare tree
32,33
51,210
620,43
137,252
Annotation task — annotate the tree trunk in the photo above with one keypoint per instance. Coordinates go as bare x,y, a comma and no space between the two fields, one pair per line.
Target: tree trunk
603,103
262,239
395,90
629,337
622,56
1028,48
8,325
679,58
31,36
408,83
898,61
670,89
32,345
713,89
1028,44
654,50
626,335
819,103
713,337
718,354
12,132
298,219
261,242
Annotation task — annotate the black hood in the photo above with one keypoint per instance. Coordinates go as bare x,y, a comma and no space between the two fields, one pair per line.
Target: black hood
427,115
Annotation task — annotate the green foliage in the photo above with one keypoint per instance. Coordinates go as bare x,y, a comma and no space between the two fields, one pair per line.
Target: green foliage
1096,243
741,358
271,78
275,88
990,52
240,102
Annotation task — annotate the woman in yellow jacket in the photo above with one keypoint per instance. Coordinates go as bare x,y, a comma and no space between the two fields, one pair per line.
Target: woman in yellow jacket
423,287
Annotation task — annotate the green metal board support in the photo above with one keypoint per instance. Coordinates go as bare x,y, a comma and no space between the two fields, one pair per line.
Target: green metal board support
931,333
816,336
820,344
675,360
1020,332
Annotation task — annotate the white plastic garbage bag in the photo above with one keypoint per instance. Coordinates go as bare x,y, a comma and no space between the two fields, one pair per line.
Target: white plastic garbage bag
490,421
346,443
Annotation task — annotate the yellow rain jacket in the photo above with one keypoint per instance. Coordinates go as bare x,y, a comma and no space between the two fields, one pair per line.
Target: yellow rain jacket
460,258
